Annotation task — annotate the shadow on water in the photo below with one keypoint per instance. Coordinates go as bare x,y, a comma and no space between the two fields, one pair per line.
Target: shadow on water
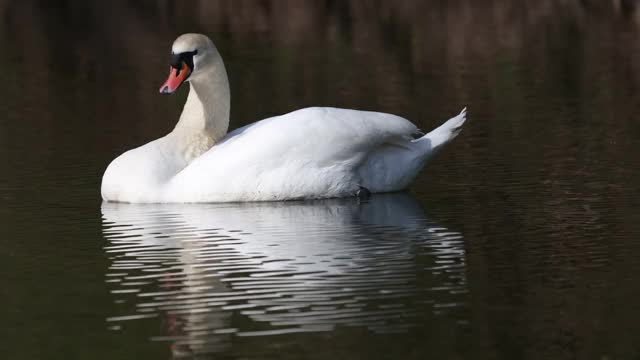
221,271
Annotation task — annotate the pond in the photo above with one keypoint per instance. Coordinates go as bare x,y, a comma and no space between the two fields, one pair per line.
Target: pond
519,240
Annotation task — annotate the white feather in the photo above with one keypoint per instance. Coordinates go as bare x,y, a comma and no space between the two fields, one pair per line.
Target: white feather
308,153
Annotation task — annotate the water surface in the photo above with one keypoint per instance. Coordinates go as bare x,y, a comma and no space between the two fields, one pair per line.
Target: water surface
218,273
518,241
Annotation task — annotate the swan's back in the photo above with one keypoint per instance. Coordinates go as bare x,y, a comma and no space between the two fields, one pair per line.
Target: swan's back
308,153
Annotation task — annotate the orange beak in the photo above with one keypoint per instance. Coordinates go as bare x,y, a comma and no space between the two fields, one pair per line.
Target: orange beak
176,78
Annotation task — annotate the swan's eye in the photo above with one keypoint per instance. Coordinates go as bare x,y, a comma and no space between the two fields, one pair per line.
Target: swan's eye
184,57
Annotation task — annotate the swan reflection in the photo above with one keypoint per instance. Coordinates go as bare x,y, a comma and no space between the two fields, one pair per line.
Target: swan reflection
216,271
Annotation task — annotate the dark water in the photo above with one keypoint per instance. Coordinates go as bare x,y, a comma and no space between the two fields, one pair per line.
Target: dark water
521,240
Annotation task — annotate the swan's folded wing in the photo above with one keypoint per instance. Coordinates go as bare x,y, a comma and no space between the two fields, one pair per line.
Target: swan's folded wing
324,135
312,150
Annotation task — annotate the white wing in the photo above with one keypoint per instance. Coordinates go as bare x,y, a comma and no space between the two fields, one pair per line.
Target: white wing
302,154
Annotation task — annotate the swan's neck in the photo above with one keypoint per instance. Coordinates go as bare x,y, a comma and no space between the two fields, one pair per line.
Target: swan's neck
205,117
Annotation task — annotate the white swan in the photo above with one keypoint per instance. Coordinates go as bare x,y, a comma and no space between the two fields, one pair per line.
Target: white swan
308,153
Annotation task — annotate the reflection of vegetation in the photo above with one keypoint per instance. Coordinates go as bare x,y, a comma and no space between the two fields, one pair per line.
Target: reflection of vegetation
570,70
547,159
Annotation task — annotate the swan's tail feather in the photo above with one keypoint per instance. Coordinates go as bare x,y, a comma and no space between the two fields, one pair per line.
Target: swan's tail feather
457,122
394,165
447,131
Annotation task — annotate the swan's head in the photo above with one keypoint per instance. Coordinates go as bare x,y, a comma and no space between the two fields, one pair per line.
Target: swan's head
191,56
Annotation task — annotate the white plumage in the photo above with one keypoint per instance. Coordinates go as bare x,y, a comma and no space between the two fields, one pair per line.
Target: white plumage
308,153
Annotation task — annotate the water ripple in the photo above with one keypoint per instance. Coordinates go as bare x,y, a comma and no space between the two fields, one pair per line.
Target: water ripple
219,270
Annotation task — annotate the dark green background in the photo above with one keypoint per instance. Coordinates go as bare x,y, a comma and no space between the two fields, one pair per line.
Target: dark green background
542,183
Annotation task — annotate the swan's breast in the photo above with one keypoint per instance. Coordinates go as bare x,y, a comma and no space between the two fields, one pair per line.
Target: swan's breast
139,175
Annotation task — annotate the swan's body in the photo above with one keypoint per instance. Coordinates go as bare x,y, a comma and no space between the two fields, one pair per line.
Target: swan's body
309,153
